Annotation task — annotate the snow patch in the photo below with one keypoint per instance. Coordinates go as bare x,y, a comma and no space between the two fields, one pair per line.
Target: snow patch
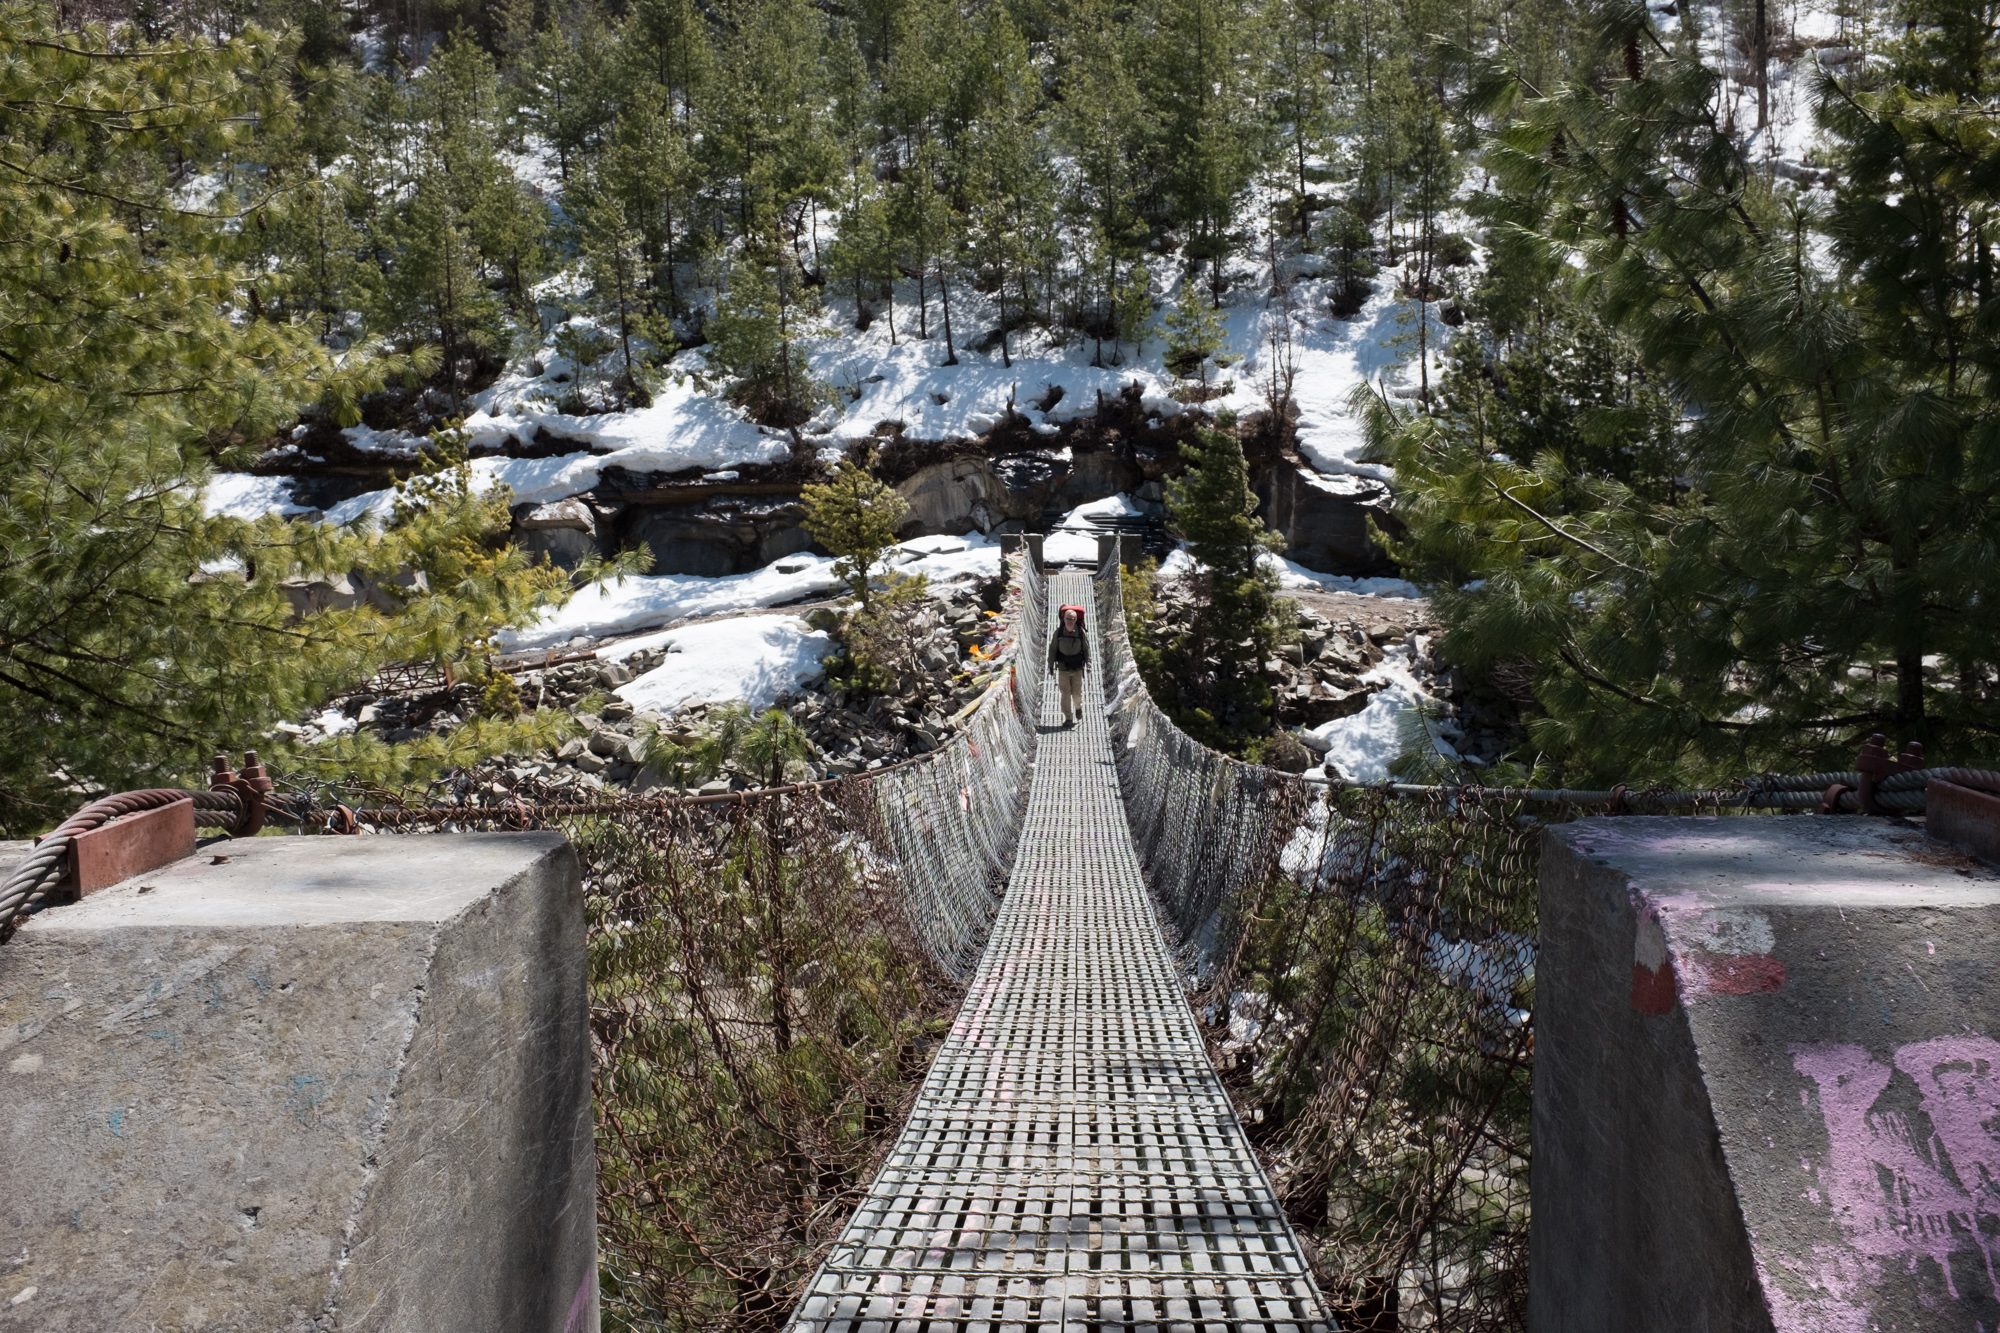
648,601
1363,746
241,495
1074,539
1294,577
753,660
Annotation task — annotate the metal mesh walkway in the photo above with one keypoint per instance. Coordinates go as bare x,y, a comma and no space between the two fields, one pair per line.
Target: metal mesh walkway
1072,1162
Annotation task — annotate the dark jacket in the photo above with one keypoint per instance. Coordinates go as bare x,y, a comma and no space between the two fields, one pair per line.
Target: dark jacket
1069,652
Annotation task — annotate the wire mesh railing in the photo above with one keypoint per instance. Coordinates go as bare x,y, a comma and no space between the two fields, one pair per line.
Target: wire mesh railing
1365,963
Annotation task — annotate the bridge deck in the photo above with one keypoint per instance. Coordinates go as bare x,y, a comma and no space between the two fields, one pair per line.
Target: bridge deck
1072,1162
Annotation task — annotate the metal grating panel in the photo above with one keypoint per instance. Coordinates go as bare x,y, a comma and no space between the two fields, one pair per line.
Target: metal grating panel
1072,1162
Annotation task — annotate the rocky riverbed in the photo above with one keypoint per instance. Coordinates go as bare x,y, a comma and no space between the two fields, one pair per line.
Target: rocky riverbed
620,744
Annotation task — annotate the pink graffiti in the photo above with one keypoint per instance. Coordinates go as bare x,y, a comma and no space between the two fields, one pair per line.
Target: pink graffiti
579,1304
1911,1186
1959,1078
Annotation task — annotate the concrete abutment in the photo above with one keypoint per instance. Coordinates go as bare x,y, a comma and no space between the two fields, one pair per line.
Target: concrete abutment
1767,1086
304,1084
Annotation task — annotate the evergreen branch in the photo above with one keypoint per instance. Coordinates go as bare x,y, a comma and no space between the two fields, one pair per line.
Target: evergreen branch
1594,677
163,605
147,721
63,48
106,116
135,204
1553,526
27,369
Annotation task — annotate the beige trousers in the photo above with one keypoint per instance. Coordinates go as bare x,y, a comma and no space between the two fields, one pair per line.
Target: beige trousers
1069,684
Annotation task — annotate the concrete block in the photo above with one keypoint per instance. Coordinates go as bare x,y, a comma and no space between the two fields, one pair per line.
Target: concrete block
304,1084
1767,1089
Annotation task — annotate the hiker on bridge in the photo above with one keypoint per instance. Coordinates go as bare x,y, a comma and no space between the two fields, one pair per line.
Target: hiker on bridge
1069,654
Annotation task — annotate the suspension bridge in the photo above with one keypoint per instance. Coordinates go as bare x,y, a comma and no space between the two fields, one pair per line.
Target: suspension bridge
1073,1161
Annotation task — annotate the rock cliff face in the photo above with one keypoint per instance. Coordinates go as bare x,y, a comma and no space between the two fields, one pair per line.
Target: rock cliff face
716,534
1324,520
1006,492
732,527
1010,480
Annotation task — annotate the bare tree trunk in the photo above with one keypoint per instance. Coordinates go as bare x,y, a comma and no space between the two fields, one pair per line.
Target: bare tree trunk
1760,50
944,292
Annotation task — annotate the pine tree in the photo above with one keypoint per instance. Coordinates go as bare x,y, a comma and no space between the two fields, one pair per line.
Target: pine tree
1235,627
923,221
1777,559
435,289
1343,237
458,115
1011,197
1194,336
1302,92
612,247
1210,133
647,167
769,136
567,95
755,333
1132,306
671,40
513,29
138,632
310,234
864,255
855,516
1101,123
1431,169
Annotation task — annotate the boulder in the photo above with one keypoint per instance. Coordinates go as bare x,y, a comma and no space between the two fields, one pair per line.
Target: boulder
565,531
321,592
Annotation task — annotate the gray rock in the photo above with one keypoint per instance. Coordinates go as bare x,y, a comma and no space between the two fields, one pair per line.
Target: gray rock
313,593
570,513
